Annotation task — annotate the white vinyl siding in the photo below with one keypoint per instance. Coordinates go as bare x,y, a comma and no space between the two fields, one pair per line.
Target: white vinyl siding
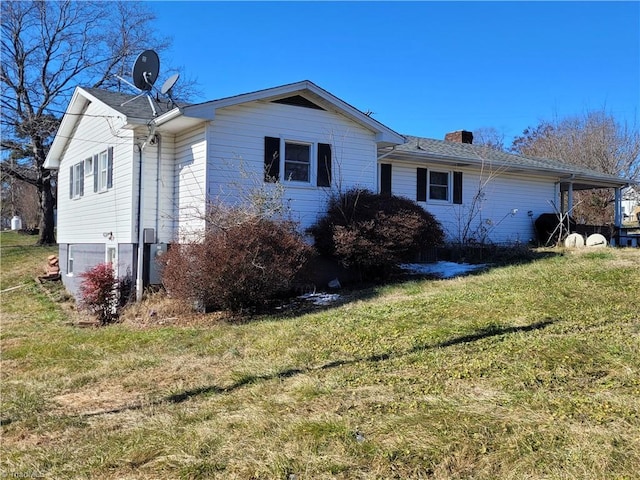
85,220
503,194
189,189
237,144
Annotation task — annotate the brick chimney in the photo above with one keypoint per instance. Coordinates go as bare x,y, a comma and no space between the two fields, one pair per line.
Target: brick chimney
461,136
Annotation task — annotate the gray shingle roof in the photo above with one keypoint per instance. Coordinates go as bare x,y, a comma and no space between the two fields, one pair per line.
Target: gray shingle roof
474,154
138,108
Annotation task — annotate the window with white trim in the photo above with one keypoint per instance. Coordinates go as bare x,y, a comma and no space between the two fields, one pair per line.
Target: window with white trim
88,167
69,259
438,186
111,256
297,161
76,180
103,171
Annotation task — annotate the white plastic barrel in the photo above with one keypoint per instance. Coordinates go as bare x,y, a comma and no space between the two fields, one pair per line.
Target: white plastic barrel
16,223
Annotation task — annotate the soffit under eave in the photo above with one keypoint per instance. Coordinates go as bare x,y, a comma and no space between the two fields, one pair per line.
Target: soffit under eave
385,136
590,184
68,125
563,176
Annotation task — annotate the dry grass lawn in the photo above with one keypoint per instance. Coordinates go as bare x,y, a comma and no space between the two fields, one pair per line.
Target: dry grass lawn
524,371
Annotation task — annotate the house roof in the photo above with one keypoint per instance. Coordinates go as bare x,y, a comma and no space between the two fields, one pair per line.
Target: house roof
456,154
133,110
132,106
137,110
310,92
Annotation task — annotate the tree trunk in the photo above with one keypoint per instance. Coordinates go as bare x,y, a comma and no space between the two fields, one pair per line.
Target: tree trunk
46,225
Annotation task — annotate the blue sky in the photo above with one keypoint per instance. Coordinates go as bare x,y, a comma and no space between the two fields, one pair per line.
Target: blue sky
423,68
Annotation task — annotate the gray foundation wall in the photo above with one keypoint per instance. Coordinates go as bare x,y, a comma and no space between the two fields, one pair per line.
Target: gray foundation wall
88,255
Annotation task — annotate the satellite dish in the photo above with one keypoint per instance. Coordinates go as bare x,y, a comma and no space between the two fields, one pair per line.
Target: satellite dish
145,70
169,83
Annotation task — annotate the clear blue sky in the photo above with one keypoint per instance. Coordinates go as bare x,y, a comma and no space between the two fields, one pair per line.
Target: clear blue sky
423,68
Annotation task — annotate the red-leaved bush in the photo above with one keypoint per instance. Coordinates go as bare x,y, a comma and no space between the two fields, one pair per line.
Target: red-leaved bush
239,266
98,292
371,233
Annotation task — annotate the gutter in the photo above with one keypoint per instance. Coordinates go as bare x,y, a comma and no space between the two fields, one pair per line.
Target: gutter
610,181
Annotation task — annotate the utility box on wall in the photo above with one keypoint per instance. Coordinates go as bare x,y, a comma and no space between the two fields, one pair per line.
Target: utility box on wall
154,267
149,235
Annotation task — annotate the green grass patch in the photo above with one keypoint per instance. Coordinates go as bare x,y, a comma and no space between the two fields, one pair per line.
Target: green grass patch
524,371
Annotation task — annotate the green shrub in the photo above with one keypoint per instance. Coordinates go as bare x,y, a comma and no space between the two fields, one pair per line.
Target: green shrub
373,233
243,265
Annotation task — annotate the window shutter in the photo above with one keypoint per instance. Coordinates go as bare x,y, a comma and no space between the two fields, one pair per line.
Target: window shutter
95,173
271,159
457,188
81,178
71,182
110,167
421,185
324,165
385,178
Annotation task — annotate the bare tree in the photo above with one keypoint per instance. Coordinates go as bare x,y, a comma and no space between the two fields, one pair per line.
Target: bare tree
594,140
47,49
489,137
21,199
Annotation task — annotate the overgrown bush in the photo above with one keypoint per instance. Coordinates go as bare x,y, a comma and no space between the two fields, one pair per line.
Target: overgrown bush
373,233
98,292
243,265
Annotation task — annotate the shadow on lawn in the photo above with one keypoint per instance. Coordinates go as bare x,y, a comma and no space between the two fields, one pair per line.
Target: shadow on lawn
484,256
250,379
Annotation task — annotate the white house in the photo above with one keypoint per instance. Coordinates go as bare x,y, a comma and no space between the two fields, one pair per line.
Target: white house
132,178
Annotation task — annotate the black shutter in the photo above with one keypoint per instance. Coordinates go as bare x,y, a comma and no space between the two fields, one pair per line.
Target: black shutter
95,173
110,167
81,178
385,178
457,188
324,165
71,182
421,185
271,159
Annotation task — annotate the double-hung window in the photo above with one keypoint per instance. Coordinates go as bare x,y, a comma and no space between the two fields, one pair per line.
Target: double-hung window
297,161
76,180
438,186
88,167
103,171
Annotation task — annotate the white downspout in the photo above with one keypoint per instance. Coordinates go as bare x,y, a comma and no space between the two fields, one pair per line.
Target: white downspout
140,263
570,199
617,208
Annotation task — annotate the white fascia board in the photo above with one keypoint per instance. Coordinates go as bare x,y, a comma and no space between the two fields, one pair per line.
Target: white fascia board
558,174
77,105
384,135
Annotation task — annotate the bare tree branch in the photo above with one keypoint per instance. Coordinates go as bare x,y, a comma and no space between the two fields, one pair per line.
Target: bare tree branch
48,48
